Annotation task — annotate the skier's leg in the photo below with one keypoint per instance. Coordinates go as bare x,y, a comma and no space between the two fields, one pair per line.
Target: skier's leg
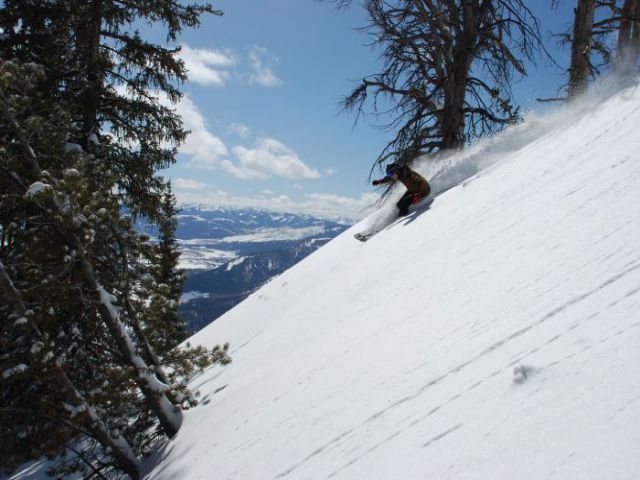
404,203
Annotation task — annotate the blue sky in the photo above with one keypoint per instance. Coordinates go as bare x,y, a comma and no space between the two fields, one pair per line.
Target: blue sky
262,103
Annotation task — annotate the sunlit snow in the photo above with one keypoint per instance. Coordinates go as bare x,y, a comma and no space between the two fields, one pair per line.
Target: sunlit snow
494,336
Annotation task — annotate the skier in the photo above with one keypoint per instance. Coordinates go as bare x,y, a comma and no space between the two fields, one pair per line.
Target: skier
417,186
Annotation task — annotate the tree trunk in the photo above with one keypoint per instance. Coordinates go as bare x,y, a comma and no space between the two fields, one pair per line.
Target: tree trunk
635,35
453,117
453,121
89,37
117,446
580,67
154,391
627,47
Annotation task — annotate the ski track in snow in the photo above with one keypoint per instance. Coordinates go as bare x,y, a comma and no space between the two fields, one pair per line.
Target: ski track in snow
493,336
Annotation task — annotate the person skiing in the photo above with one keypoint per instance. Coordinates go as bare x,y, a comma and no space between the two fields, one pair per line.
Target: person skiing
417,186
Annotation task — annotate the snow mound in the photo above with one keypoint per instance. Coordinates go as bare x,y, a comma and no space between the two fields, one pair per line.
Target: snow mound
410,356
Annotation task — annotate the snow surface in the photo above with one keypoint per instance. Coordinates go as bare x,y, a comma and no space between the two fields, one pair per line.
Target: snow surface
235,263
191,295
201,254
36,188
495,336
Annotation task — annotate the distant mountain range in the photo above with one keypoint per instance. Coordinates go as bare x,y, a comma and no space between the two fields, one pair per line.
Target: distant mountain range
229,253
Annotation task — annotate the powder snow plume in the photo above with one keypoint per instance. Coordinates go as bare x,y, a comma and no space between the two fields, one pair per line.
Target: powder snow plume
449,169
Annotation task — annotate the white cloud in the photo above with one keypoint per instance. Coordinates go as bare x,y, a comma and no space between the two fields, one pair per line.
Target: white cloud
260,74
206,149
317,204
185,184
352,207
239,129
330,171
207,66
269,158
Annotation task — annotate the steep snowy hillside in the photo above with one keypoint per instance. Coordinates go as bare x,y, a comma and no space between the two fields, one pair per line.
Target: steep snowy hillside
494,336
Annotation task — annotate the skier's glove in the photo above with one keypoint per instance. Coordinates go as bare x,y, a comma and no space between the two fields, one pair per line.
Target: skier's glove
375,183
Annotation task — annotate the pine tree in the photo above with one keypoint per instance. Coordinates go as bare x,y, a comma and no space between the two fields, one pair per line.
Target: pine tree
83,133
45,399
169,329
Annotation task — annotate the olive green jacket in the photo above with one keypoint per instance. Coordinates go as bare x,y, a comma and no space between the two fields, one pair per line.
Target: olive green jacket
414,182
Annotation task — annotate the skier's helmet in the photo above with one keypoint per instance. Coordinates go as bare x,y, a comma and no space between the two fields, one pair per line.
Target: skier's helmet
392,168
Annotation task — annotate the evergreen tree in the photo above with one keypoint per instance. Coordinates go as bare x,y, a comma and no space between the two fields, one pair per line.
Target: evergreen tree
168,329
82,134
49,325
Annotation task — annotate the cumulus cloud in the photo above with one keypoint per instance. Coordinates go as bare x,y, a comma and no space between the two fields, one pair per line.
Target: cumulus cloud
207,66
269,158
185,184
206,149
330,204
239,129
260,74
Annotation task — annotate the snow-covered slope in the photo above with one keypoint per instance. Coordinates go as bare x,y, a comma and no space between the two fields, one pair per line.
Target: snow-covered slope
495,336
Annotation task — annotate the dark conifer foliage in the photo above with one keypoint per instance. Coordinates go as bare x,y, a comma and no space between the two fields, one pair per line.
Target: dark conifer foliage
88,323
169,329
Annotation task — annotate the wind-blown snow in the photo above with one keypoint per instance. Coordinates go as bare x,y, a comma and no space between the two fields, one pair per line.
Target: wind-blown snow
495,336
202,254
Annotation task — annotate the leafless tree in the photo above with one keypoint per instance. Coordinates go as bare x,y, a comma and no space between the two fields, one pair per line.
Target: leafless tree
593,48
447,69
580,67
628,44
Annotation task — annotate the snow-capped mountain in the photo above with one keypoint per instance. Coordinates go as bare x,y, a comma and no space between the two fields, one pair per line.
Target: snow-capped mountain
211,292
494,336
213,238
202,223
229,253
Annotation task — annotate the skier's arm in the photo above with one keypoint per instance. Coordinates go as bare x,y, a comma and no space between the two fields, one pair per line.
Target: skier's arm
382,181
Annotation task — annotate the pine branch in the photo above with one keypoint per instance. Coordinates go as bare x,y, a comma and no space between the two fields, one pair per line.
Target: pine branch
109,312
